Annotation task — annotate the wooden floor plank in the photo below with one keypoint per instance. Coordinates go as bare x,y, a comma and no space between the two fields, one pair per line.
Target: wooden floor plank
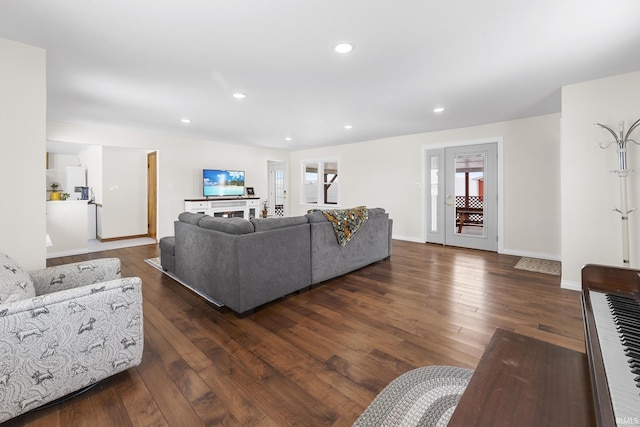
321,356
139,403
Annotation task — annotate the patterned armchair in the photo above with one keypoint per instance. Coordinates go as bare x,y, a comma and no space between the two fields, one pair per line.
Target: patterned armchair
64,328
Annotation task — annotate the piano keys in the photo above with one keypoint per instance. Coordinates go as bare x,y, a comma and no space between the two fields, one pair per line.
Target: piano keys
623,389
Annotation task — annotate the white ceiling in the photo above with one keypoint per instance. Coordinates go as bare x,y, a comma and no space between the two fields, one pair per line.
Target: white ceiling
149,63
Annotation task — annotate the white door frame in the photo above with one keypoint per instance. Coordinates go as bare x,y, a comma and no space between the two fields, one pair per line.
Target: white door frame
271,197
426,190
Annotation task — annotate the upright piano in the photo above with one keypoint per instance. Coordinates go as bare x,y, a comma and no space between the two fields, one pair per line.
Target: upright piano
527,382
611,310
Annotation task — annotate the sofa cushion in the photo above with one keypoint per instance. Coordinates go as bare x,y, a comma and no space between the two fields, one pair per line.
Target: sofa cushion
15,283
190,218
227,225
168,245
266,224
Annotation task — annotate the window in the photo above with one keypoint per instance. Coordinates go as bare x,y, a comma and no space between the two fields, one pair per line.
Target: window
320,182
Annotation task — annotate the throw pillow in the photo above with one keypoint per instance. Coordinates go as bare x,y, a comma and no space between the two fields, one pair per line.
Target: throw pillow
190,217
15,283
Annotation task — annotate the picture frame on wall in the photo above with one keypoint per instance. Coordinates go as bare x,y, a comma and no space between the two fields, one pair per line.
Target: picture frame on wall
250,191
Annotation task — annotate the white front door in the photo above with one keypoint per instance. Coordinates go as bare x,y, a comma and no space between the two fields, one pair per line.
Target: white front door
462,196
277,188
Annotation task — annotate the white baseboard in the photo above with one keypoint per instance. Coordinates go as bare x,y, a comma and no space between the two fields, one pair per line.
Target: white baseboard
539,255
514,252
67,253
407,239
566,284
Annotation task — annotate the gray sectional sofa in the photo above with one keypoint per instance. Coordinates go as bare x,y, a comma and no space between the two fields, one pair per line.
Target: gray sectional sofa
243,264
370,244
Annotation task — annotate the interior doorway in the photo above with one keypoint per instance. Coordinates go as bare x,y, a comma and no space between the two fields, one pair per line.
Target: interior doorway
462,196
152,194
277,191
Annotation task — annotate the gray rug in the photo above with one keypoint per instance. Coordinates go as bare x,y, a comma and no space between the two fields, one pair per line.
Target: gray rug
155,262
422,397
539,265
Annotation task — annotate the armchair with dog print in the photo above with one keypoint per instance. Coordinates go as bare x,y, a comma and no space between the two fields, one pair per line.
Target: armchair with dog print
63,329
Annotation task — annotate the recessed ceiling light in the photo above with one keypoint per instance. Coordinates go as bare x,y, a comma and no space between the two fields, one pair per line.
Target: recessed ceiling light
438,109
288,138
344,47
239,95
186,121
348,126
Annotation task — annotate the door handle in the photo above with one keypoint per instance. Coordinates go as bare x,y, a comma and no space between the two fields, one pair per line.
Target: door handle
449,201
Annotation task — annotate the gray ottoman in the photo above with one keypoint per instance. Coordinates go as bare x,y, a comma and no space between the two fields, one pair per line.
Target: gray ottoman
168,253
421,397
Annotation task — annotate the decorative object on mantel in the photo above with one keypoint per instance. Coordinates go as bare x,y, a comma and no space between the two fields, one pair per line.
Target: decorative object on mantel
621,146
265,208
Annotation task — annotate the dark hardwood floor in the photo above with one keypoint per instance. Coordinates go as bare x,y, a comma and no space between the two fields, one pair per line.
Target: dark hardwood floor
320,357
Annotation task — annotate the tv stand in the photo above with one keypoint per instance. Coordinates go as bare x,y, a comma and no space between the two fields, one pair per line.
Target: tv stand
225,207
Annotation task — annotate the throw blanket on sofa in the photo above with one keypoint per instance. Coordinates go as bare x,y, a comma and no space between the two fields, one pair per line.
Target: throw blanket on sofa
346,222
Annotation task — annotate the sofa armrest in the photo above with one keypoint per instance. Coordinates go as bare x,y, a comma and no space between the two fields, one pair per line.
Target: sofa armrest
68,276
55,344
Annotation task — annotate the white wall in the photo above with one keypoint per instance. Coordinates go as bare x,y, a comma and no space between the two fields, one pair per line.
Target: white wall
91,158
122,173
180,162
61,161
124,192
591,231
22,149
531,174
531,197
532,210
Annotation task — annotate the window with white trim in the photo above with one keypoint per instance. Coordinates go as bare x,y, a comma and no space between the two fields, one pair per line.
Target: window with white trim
320,182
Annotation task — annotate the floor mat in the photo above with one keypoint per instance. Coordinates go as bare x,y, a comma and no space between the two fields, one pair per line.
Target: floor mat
539,265
425,396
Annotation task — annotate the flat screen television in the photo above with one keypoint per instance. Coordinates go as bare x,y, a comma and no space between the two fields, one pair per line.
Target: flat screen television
222,182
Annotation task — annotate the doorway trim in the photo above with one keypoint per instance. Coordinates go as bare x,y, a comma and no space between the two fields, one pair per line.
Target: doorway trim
498,140
152,194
